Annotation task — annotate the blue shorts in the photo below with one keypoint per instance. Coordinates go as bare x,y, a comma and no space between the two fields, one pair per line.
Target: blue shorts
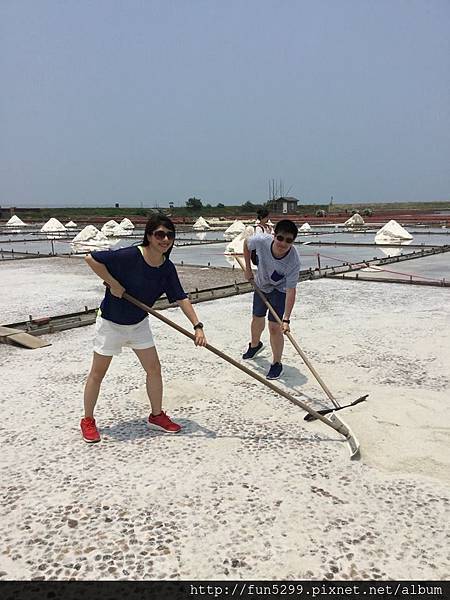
277,300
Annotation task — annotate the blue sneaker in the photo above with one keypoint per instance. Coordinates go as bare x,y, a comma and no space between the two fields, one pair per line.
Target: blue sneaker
252,352
275,371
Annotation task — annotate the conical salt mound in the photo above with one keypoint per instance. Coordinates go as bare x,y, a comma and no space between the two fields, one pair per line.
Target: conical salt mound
109,226
305,227
119,231
200,224
90,238
126,223
88,233
354,221
71,225
53,225
392,231
14,221
100,240
236,246
234,229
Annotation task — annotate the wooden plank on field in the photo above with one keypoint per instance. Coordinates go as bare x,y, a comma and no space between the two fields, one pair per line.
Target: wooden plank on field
9,335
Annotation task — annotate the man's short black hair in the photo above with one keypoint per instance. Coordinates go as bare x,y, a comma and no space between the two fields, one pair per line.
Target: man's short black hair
262,213
286,226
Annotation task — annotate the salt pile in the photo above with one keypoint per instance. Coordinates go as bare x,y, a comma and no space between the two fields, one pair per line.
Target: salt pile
355,221
200,224
109,227
100,239
52,226
234,229
90,238
71,225
126,224
120,231
305,227
15,221
236,246
88,233
392,232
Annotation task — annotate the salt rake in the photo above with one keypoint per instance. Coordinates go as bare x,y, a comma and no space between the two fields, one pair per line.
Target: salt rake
333,422
325,411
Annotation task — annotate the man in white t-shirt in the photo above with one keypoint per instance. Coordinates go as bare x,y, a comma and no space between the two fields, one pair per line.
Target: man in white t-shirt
277,277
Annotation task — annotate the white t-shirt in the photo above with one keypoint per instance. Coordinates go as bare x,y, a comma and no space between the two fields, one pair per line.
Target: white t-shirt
274,273
262,228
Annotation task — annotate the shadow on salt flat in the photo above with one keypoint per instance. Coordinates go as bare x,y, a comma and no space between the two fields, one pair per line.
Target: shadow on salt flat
137,428
291,375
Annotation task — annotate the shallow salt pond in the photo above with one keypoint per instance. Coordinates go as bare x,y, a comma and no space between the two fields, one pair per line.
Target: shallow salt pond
193,249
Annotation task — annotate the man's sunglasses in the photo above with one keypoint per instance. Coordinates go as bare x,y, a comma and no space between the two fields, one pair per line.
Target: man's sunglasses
281,238
160,235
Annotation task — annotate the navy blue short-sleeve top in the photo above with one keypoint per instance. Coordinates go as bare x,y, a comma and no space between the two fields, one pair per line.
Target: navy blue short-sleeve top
140,280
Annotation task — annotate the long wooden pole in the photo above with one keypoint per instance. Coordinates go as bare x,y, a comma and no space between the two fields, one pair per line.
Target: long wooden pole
334,422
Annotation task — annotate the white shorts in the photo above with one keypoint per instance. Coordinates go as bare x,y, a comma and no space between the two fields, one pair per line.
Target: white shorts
110,337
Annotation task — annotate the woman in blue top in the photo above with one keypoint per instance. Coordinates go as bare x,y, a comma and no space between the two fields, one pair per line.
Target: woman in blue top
144,272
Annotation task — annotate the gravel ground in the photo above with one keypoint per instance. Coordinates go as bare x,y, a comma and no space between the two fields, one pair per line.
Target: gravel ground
247,490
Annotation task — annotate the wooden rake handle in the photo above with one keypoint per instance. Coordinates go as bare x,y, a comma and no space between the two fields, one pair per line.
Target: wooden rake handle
337,424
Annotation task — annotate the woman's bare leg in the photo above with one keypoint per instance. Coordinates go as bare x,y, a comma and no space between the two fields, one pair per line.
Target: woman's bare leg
150,361
98,370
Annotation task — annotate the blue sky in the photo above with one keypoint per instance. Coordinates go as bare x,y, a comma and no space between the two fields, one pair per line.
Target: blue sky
152,101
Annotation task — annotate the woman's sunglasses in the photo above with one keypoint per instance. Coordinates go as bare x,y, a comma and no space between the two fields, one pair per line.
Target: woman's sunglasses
160,235
281,238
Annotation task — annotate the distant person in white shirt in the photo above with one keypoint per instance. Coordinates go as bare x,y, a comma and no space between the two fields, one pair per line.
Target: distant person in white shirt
277,277
262,224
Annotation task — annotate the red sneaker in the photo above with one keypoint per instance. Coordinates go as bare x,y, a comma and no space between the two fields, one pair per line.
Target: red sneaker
163,423
89,430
